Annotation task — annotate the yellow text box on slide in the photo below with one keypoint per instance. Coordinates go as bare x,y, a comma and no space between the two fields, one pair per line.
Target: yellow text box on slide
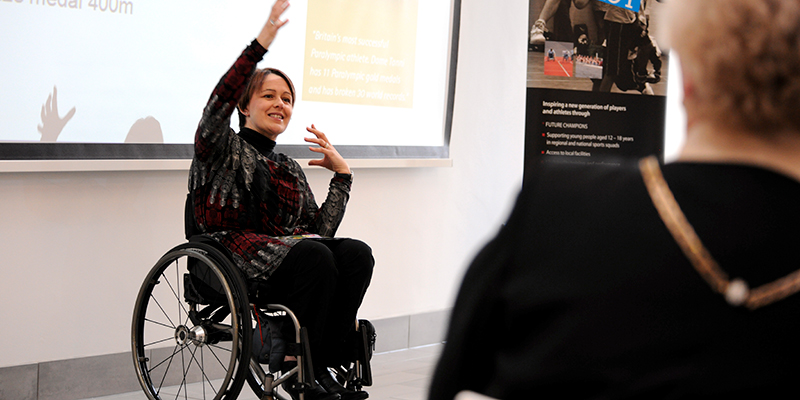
361,52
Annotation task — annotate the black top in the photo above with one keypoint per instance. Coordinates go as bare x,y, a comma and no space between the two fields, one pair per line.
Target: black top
263,144
585,294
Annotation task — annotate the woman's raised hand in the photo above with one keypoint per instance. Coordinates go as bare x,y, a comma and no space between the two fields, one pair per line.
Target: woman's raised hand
331,159
270,29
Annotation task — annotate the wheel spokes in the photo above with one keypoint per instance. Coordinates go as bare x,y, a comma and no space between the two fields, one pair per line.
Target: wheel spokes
202,362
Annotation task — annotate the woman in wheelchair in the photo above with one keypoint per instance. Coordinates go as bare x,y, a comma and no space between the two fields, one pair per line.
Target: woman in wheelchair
257,204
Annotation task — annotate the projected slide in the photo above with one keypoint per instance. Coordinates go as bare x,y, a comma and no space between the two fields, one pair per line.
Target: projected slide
370,63
367,72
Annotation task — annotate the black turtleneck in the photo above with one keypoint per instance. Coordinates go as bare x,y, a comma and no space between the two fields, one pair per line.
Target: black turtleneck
263,144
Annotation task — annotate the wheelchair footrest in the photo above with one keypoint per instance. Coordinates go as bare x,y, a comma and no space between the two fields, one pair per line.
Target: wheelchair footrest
368,337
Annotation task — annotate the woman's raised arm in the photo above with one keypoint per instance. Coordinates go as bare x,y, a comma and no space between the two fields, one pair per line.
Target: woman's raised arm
216,116
273,24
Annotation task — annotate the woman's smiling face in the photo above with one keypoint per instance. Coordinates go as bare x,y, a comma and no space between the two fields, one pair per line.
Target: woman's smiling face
270,107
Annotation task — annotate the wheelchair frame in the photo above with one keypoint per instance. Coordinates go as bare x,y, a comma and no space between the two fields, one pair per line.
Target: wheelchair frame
192,331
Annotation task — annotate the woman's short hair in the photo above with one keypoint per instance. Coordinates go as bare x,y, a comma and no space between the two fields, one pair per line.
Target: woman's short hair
255,83
744,58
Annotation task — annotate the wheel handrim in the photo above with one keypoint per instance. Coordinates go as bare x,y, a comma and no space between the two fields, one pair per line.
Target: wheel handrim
175,356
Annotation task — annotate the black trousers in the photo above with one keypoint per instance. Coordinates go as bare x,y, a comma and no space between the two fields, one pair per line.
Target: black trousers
616,66
323,282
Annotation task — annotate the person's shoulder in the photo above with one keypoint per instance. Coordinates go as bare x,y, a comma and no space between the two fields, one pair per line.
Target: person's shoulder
563,207
283,158
575,194
287,162
580,177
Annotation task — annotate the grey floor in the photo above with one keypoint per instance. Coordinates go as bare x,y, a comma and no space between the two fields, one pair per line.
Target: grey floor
397,375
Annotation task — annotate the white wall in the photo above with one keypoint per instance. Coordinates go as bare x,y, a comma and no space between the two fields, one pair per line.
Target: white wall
675,127
75,246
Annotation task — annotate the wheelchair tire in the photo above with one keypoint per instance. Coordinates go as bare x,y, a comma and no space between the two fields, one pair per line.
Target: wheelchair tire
182,349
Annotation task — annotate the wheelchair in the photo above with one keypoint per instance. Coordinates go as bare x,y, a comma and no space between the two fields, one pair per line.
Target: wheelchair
192,333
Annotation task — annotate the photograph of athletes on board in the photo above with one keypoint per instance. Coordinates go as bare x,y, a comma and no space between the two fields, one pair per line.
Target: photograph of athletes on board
591,45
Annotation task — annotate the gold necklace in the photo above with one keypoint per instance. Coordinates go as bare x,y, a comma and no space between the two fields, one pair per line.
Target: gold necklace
736,291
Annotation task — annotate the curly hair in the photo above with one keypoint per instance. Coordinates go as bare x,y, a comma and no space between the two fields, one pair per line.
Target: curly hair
744,56
255,83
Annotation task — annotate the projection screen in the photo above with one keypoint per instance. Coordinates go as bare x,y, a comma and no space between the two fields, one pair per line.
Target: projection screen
128,79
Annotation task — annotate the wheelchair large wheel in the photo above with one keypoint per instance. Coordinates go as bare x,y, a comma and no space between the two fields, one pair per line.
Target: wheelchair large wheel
191,331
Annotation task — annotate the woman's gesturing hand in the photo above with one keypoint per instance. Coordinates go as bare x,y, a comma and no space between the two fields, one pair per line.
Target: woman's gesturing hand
270,29
331,159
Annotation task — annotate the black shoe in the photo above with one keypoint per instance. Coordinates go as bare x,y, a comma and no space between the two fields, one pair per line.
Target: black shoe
315,393
653,78
331,385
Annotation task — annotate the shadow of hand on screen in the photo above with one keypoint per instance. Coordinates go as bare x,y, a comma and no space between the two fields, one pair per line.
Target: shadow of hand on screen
145,130
52,124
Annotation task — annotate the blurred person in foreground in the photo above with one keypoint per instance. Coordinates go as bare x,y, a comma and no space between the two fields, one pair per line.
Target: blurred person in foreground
649,281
